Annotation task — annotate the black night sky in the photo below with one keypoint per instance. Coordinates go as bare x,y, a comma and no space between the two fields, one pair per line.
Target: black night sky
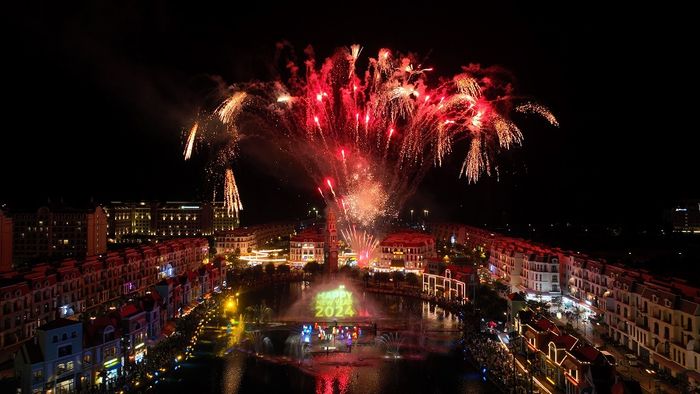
97,96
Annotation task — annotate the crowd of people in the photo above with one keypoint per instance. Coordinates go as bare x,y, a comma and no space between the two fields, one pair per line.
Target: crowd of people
494,360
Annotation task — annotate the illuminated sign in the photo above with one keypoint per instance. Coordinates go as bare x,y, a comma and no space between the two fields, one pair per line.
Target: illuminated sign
334,303
111,362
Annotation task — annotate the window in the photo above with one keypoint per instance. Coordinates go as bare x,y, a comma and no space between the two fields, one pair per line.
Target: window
110,352
87,358
64,336
552,352
55,338
38,374
65,350
73,334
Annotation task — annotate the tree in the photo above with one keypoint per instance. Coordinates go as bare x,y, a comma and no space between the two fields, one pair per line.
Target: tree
492,306
312,267
412,279
256,271
397,276
380,277
284,269
500,287
270,268
350,272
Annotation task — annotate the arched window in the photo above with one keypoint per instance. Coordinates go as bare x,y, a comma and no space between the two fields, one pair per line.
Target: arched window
552,352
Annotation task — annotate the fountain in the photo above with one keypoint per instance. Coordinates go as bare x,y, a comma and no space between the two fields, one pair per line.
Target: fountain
392,343
296,348
261,344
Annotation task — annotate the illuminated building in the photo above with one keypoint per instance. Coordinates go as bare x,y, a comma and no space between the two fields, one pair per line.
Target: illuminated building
685,217
60,232
405,251
448,281
569,364
656,319
102,353
224,219
240,241
506,262
137,222
307,246
130,219
178,219
540,275
134,328
73,286
5,242
53,362
469,236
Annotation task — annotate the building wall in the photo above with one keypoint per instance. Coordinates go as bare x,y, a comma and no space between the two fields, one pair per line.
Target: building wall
303,250
96,232
658,319
411,248
5,242
31,299
236,241
130,220
59,233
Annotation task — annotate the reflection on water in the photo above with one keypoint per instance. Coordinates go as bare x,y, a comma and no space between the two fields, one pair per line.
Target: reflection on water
427,364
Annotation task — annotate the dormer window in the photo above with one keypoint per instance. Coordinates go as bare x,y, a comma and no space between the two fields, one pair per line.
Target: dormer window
668,303
654,298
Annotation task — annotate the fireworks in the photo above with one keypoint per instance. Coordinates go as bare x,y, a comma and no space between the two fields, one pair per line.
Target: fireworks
367,138
231,198
362,243
539,110
190,141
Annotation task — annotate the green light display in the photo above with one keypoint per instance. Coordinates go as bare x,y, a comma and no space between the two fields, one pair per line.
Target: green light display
334,303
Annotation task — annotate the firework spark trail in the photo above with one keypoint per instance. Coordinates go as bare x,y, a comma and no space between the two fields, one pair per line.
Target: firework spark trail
362,243
232,200
231,107
539,110
190,141
374,133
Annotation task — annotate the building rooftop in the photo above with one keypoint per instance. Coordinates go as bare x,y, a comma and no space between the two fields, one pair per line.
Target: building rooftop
408,238
58,323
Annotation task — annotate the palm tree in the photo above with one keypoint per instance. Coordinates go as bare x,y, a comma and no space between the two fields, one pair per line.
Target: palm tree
259,313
